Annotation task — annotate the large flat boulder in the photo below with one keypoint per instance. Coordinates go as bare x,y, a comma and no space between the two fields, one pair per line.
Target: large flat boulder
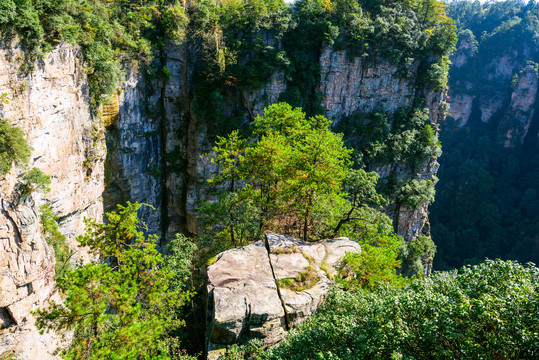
268,287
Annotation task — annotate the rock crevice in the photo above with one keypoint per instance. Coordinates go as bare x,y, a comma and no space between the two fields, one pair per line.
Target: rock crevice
286,317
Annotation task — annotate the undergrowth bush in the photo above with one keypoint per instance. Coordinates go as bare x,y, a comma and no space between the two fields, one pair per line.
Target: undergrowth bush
14,148
487,311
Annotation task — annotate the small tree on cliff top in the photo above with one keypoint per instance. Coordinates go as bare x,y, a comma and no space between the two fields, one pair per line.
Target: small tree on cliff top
293,177
291,174
122,306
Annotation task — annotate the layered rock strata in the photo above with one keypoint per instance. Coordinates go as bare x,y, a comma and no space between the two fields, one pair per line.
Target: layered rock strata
268,287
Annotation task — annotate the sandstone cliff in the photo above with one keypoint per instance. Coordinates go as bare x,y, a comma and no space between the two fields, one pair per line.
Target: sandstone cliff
347,85
502,88
50,104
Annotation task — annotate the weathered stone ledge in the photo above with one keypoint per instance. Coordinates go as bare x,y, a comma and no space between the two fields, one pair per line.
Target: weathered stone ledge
268,287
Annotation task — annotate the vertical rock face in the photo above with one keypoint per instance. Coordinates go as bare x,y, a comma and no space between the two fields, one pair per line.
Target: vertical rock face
502,89
50,105
461,108
355,84
153,152
522,108
134,157
465,50
254,291
349,85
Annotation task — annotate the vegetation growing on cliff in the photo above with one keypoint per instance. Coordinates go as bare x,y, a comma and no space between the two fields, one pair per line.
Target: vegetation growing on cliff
293,177
14,148
109,32
126,305
405,136
55,239
488,195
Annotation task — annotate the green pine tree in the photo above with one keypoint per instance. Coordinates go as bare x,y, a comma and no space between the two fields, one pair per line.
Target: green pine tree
122,306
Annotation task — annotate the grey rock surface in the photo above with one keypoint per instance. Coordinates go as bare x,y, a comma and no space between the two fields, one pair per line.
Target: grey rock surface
247,297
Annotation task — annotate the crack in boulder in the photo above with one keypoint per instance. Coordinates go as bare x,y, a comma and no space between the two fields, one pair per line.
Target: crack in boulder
286,316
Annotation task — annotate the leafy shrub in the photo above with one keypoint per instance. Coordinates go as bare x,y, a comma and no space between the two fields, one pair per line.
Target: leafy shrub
50,228
7,11
415,253
405,136
109,32
34,180
377,263
13,147
108,304
417,193
436,75
486,311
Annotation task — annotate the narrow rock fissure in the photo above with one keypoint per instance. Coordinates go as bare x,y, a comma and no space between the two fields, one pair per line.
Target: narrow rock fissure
76,212
286,316
6,318
163,130
247,320
18,236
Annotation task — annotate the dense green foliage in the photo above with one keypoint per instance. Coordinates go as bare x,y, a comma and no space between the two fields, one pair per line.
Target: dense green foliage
13,147
124,305
242,41
483,312
32,180
109,32
375,264
239,55
293,177
488,196
402,32
415,253
405,136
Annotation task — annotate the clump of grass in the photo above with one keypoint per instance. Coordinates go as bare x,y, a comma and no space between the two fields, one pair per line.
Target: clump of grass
303,281
288,250
324,268
58,241
211,260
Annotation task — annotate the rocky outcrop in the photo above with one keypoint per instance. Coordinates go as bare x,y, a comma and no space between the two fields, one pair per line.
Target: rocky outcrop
466,48
460,108
522,108
266,288
50,104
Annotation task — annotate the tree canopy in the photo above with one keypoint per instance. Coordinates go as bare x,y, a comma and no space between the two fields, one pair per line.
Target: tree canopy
292,171
294,176
14,148
122,306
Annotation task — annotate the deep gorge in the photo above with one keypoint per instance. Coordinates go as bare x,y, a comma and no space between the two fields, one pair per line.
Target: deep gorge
195,71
